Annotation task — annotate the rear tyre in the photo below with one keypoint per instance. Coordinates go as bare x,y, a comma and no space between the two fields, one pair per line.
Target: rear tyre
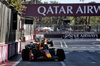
60,54
51,43
27,47
25,54
73,37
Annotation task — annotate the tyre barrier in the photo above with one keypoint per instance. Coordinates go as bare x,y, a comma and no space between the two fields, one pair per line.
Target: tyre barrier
3,53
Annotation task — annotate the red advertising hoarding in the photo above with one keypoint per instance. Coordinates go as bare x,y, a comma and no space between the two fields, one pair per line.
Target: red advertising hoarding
62,9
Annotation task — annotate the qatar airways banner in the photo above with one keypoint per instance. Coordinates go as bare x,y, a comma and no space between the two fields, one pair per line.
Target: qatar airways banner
62,10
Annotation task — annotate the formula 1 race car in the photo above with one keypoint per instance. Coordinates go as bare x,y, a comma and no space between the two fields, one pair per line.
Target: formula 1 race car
50,42
33,52
68,36
41,40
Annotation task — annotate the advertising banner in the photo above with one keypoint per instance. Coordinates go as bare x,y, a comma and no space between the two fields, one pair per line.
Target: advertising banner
85,9
71,35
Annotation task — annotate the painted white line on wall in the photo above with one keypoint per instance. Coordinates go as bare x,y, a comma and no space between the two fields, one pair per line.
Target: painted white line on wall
63,64
61,44
17,62
65,44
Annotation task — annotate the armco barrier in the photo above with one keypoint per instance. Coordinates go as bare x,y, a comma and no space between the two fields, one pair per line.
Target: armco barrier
3,53
13,49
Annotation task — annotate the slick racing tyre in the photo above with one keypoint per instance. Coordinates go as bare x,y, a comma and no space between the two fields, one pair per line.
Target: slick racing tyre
73,37
27,47
51,43
25,54
60,54
52,51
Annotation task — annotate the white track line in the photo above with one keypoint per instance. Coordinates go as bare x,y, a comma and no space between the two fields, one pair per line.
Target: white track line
97,45
92,47
91,50
63,64
97,39
53,47
83,47
65,44
61,44
17,62
74,47
80,51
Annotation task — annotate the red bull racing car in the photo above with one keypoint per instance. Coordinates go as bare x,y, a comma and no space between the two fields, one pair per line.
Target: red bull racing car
33,52
42,40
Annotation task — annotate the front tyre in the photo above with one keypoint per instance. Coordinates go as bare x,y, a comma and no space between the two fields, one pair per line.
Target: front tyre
60,54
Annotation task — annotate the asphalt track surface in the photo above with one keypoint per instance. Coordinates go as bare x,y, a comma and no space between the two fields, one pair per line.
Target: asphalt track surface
79,52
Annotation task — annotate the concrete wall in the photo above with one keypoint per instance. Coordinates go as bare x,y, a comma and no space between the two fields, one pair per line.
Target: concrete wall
5,22
7,34
18,32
